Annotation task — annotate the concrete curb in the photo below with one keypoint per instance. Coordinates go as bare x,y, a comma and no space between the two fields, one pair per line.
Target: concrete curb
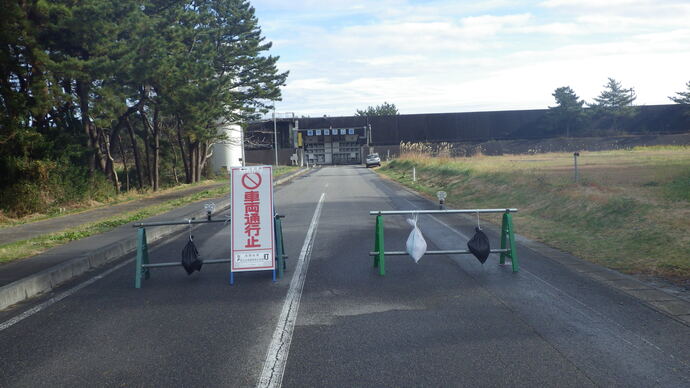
50,278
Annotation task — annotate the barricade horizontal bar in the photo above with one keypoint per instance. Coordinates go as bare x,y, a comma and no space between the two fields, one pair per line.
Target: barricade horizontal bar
163,223
217,261
448,252
449,211
176,264
160,265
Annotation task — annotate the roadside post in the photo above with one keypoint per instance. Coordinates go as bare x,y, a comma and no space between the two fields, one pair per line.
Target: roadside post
575,155
253,237
441,195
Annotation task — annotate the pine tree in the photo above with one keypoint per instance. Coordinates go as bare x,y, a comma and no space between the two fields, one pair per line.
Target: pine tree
614,103
568,112
384,109
614,96
222,75
682,97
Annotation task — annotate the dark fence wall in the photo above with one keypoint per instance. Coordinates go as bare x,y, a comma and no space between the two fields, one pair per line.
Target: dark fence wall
502,125
268,156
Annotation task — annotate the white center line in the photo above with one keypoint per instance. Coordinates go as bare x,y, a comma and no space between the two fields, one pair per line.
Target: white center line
276,357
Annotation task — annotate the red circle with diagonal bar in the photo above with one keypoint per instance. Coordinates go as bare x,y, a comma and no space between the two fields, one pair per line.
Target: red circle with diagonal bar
251,180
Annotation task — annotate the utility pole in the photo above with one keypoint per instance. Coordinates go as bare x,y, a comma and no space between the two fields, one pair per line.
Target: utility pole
275,135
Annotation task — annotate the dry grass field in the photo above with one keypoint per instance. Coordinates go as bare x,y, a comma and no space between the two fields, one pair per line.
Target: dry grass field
630,210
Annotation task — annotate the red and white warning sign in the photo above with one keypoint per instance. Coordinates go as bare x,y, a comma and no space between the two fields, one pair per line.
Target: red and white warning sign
252,218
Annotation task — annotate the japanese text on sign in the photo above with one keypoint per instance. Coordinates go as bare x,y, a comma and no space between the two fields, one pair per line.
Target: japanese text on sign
252,219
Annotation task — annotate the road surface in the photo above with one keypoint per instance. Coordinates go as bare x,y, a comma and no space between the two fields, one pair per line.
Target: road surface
332,321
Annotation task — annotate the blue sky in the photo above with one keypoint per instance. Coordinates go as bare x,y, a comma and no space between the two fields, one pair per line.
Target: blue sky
463,56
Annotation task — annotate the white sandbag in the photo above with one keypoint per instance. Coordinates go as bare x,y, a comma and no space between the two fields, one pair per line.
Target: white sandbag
416,245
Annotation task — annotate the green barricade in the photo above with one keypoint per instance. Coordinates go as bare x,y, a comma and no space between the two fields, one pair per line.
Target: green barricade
508,247
143,264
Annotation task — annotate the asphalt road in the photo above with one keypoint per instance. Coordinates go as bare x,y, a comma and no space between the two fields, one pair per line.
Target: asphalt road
446,321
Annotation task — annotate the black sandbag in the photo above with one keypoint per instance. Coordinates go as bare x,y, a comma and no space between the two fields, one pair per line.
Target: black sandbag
479,245
190,258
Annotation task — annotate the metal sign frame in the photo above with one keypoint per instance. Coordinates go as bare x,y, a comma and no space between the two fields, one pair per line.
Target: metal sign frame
253,217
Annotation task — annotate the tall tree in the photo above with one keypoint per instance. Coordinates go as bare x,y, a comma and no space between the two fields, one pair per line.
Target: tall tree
75,75
223,75
568,111
614,96
384,109
682,97
614,103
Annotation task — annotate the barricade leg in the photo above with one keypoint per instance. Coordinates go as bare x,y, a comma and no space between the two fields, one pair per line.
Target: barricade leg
142,258
380,258
508,236
280,260
376,242
504,234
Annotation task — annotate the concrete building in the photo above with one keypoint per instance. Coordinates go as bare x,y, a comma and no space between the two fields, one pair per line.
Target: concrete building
314,145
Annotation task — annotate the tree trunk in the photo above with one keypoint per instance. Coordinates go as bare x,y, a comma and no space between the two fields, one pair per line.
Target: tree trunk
205,155
156,149
147,145
137,156
199,152
101,151
110,164
124,161
193,151
112,143
174,154
185,161
87,125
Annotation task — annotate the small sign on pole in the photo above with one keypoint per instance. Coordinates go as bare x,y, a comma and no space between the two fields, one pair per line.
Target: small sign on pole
252,245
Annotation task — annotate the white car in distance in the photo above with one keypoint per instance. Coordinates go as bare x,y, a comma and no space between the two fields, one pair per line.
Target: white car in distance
373,160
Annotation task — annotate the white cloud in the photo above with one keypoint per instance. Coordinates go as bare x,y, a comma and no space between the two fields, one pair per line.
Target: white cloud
462,56
616,4
553,29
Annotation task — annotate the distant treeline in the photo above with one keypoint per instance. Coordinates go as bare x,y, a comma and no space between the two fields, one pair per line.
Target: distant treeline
504,125
99,95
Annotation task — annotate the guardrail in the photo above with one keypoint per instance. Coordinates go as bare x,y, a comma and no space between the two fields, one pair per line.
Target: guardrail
508,248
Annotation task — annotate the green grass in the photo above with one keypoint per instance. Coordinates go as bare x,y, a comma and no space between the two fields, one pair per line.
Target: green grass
131,195
630,211
31,247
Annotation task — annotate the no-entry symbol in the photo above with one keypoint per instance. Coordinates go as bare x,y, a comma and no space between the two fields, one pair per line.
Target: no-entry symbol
251,180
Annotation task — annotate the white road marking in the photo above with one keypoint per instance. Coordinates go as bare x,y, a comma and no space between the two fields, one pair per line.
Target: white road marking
59,297
276,357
